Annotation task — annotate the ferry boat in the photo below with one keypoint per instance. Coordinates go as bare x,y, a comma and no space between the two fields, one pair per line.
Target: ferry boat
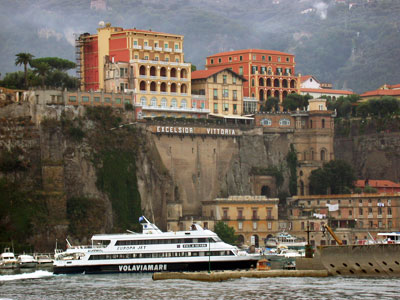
153,251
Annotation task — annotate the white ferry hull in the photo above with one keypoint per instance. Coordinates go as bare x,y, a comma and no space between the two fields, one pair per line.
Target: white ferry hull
157,267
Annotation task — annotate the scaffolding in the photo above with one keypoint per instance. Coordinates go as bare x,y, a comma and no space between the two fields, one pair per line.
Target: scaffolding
80,41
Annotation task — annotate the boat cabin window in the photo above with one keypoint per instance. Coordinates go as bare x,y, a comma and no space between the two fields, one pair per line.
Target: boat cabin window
166,241
159,254
101,243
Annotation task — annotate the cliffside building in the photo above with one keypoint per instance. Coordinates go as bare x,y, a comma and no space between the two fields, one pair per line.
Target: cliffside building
355,218
313,132
222,89
268,73
149,64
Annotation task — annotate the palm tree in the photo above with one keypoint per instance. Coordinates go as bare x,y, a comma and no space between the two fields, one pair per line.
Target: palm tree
24,59
41,69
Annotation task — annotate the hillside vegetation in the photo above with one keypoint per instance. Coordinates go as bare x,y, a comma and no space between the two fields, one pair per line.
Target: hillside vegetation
354,48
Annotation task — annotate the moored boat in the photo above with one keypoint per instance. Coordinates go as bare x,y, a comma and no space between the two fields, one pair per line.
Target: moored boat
26,261
153,251
8,260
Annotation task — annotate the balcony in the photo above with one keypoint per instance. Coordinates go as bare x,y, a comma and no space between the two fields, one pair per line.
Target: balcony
255,218
270,218
225,218
137,47
198,97
370,216
178,50
177,109
148,48
157,49
167,49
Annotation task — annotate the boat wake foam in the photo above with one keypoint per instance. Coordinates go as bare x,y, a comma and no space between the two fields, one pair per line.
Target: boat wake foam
36,274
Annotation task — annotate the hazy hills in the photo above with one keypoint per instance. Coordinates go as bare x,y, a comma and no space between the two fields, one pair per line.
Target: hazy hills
355,48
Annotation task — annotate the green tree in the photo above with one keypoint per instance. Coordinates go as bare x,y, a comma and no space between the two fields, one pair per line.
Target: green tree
24,59
272,103
55,63
225,232
42,70
335,177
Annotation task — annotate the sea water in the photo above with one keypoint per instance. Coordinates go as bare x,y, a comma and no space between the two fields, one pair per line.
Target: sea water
45,285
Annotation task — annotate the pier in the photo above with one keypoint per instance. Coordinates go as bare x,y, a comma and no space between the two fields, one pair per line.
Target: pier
227,275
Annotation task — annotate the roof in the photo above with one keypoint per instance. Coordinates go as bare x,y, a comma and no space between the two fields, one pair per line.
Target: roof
261,51
326,91
381,93
203,74
306,77
152,32
377,183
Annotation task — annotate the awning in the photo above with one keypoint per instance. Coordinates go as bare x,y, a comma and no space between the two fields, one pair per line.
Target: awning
231,117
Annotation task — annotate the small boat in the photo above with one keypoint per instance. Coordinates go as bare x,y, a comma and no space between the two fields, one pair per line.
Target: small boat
196,249
389,238
8,260
43,260
285,239
26,261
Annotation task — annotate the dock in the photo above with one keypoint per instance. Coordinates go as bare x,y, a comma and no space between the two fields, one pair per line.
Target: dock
228,275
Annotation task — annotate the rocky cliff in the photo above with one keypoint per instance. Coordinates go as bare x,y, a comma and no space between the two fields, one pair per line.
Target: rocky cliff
371,146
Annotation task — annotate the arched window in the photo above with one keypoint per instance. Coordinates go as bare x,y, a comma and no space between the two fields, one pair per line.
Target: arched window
293,84
173,72
142,70
284,122
153,71
173,88
276,94
255,240
183,73
269,94
153,86
163,87
153,101
269,82
261,93
174,103
183,89
323,154
143,101
252,82
163,102
301,188
183,103
266,122
276,83
240,239
284,94
163,72
261,82
143,85
284,83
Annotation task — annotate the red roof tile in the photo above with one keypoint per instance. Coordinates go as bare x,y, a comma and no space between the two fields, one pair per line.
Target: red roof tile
377,183
381,93
202,74
250,51
327,91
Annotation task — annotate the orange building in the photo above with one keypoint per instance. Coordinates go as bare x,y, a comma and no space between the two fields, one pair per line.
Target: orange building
268,73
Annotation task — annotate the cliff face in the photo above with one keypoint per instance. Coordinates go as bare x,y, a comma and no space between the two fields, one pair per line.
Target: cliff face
371,147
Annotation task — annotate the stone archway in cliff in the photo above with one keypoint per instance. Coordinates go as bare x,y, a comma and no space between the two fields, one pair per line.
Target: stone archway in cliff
266,191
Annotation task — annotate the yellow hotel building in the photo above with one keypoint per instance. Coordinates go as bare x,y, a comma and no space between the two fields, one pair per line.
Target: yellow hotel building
254,218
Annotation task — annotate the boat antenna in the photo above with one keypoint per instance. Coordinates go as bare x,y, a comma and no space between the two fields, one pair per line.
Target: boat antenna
130,231
68,243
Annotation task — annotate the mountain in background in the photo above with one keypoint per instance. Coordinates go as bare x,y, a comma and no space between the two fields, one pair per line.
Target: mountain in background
352,45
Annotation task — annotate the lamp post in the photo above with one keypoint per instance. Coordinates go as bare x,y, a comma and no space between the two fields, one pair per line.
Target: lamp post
209,256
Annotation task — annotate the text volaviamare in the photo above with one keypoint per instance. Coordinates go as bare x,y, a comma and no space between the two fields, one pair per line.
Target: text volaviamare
190,130
142,268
